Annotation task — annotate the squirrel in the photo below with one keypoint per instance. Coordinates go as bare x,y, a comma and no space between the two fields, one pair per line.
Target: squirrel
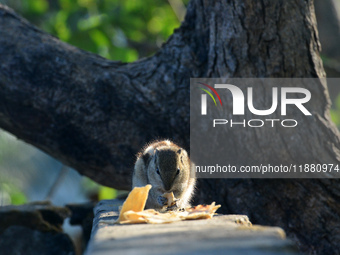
167,167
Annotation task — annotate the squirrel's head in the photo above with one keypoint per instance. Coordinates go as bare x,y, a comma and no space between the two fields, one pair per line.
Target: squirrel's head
169,166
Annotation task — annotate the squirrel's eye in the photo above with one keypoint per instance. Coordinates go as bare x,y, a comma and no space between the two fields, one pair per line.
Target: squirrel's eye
177,173
157,171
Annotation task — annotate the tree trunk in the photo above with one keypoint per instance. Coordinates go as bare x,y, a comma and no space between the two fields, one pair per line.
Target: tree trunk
94,114
328,17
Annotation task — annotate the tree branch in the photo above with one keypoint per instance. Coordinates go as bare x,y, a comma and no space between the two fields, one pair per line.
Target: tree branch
91,113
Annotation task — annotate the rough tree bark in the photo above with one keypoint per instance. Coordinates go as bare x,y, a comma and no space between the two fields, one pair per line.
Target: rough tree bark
94,114
328,18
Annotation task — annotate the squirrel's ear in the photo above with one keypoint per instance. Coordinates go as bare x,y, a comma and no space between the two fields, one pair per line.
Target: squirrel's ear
156,153
179,151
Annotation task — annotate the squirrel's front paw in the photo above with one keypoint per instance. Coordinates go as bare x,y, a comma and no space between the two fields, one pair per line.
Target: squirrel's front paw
162,200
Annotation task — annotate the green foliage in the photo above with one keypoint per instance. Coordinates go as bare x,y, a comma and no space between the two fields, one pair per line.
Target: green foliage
122,30
106,193
101,192
11,193
335,112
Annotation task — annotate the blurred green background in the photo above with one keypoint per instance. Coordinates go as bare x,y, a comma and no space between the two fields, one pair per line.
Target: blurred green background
117,30
124,30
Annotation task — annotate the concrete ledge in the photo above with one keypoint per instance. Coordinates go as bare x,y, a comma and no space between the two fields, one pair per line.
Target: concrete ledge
223,234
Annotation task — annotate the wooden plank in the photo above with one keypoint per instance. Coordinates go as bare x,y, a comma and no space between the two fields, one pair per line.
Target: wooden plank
223,234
